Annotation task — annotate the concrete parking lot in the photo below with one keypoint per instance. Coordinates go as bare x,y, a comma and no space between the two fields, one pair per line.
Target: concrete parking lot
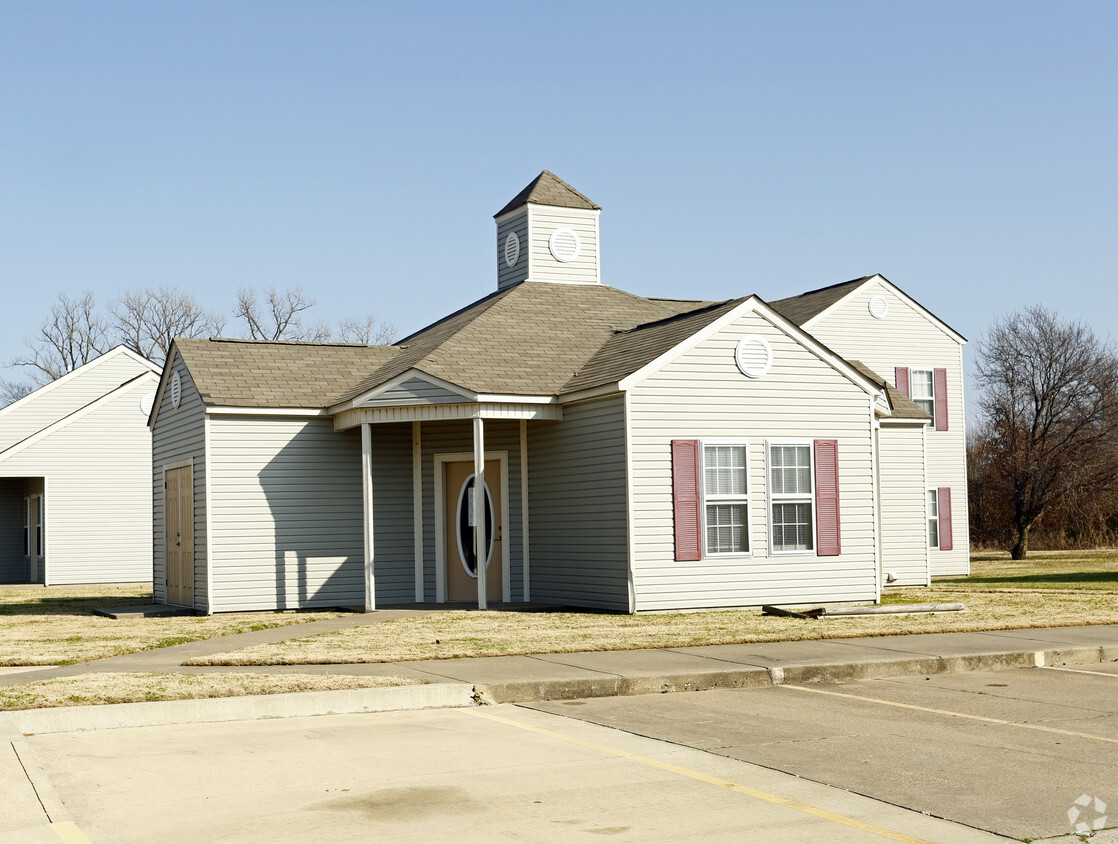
1009,752
479,774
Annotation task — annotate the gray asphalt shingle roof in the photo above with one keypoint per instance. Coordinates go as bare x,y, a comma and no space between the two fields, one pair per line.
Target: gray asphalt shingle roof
800,309
549,189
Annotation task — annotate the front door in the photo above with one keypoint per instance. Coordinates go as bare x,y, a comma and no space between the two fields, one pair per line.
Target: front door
179,511
461,555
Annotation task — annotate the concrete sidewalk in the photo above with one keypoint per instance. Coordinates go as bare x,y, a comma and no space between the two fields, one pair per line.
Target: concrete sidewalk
514,679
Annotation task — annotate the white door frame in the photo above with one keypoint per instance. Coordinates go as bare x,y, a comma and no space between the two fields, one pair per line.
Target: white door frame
440,518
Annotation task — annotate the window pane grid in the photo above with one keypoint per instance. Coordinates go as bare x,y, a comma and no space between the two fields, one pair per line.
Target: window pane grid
726,501
791,470
933,519
923,391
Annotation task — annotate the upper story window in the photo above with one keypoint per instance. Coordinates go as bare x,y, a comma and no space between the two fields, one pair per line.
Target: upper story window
726,498
923,391
790,497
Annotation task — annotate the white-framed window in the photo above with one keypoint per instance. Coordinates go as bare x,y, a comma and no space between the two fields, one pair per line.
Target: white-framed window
791,496
922,387
933,518
39,527
725,489
27,526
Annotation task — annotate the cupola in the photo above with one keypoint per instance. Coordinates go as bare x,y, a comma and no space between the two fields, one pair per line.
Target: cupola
548,232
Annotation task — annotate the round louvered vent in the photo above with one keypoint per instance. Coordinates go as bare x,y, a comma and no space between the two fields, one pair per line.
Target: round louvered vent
879,307
146,403
176,389
512,249
564,245
754,355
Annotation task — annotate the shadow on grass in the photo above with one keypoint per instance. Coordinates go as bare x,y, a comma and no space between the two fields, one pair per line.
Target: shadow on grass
56,605
1069,579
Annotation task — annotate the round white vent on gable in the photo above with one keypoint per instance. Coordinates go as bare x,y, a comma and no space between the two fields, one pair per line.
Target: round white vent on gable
176,389
754,355
564,245
512,249
147,402
879,307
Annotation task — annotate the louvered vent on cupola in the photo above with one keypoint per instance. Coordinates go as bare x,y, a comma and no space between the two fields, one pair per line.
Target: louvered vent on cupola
548,232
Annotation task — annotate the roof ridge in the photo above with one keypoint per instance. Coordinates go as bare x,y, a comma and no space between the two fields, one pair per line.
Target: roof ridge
707,306
249,340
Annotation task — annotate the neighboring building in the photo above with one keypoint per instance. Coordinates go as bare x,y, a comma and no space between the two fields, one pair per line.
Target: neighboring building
638,454
75,494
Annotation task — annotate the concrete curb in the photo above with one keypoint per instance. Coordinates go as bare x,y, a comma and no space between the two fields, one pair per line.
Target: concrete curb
68,719
802,674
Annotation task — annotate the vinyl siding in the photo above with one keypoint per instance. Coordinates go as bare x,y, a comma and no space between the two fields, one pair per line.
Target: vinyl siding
393,518
703,395
415,391
14,567
904,525
48,404
98,502
179,434
506,275
577,507
458,437
286,513
907,337
544,221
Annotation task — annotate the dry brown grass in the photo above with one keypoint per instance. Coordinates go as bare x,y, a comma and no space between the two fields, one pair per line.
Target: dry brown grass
134,688
55,625
1048,590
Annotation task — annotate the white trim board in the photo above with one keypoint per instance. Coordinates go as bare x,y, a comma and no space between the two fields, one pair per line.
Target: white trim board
114,352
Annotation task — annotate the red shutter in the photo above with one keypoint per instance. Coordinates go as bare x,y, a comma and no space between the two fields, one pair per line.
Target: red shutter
902,381
827,541
943,505
685,498
939,385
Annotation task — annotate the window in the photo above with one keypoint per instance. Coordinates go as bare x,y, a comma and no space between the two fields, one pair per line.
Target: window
726,498
923,391
933,519
790,497
27,527
39,527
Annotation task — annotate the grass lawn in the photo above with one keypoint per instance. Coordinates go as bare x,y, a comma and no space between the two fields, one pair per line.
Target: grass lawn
1049,589
55,625
133,688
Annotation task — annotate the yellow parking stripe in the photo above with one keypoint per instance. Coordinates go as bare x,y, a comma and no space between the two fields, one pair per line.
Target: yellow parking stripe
776,799
70,833
951,714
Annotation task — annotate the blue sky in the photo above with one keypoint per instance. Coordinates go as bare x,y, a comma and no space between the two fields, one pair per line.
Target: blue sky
966,151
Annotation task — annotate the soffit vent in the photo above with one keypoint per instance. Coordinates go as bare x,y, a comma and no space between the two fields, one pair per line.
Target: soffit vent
564,245
879,307
754,356
512,249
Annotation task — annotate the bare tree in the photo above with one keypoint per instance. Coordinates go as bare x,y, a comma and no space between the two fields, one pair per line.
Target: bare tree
369,330
148,320
279,316
73,334
1050,408
12,391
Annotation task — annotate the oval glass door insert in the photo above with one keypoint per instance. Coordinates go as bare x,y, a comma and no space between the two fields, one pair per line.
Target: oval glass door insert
465,518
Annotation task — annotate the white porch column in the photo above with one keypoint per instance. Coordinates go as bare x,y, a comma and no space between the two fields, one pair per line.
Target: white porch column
480,539
417,505
524,508
367,505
